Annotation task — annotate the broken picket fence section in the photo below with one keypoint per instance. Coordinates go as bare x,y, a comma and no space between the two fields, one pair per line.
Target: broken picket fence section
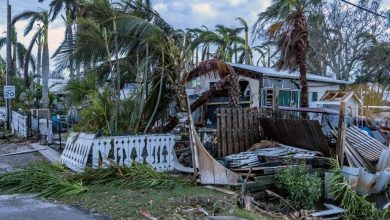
156,150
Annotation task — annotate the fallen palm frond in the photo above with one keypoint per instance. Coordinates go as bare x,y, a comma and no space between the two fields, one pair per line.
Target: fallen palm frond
137,176
54,180
356,206
48,180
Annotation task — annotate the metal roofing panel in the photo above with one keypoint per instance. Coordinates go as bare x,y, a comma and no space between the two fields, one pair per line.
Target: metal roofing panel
285,74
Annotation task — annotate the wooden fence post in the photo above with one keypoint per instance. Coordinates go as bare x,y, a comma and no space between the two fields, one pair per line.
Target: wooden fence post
341,134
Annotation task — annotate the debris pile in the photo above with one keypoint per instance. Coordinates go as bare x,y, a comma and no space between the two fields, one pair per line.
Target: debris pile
274,156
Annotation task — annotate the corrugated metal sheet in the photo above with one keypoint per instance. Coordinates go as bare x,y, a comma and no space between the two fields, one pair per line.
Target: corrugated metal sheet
367,146
271,72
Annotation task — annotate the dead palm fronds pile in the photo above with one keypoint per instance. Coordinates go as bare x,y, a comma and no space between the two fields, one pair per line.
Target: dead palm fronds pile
54,180
137,176
48,180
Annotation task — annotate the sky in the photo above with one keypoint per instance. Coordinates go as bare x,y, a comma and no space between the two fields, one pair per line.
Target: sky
179,13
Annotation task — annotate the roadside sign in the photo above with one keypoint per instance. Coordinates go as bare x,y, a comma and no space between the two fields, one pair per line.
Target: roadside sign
9,92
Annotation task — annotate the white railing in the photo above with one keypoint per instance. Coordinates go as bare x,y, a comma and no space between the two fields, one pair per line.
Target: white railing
76,151
43,127
19,124
156,150
3,113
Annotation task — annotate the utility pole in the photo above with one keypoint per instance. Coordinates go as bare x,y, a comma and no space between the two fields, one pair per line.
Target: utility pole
8,70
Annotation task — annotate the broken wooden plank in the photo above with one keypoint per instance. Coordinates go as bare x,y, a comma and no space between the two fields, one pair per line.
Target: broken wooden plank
207,169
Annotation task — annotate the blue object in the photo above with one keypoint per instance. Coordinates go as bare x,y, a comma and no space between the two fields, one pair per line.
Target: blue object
367,130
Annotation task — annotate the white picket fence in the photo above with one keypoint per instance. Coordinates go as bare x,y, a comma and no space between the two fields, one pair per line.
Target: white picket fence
76,151
156,150
43,127
3,113
19,124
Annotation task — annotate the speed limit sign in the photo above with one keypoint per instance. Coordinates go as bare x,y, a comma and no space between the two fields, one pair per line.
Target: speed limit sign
9,92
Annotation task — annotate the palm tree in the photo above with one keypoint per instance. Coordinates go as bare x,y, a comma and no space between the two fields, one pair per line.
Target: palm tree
144,39
72,8
247,52
19,52
224,39
267,53
35,40
42,17
289,28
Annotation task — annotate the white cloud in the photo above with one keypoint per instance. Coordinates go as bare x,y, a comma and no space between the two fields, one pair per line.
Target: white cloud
236,2
204,9
161,7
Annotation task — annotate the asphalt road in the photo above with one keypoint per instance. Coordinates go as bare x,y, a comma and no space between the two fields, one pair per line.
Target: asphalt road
29,207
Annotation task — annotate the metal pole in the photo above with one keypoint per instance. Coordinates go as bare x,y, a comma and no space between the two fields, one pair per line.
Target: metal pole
8,71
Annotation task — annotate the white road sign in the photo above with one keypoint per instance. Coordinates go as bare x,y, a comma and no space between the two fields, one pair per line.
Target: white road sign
9,92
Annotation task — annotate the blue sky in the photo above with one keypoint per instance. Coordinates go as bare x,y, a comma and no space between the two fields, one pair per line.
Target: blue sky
179,13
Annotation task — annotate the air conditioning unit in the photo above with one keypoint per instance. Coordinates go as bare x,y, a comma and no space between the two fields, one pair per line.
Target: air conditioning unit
40,113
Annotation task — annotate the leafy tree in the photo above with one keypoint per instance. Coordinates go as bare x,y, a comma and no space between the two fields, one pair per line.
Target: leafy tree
376,67
339,34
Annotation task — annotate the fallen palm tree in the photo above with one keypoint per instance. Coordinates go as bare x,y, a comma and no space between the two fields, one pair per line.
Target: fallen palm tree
228,80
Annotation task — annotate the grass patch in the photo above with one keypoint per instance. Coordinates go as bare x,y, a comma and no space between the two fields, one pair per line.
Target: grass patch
162,203
122,192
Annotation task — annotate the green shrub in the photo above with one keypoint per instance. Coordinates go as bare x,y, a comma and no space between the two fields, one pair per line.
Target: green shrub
303,188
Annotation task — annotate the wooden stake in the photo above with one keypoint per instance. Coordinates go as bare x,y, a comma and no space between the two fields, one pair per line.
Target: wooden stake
340,144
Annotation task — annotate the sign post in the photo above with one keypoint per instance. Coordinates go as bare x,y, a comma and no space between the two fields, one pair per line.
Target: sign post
9,92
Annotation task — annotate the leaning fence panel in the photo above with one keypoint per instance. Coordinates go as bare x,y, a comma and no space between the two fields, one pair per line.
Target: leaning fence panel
76,151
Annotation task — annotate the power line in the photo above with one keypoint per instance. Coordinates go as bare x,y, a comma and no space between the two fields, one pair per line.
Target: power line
365,9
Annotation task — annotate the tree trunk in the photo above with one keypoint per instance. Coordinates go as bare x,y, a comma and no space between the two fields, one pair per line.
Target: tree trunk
45,67
300,28
39,61
230,82
247,60
69,37
14,65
